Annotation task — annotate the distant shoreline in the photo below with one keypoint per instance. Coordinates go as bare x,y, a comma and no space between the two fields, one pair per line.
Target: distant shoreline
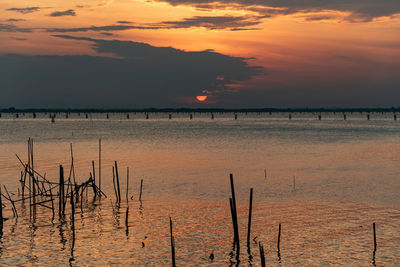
195,110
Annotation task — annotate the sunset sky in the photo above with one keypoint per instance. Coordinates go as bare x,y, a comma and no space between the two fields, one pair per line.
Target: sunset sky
238,53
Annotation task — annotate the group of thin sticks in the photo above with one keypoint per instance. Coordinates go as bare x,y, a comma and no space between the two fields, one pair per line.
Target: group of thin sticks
236,241
117,191
40,193
38,190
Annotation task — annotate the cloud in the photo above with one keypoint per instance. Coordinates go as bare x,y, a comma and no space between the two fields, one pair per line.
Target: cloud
100,28
141,75
69,12
106,33
124,22
24,10
360,10
209,22
15,20
319,17
12,28
19,39
212,22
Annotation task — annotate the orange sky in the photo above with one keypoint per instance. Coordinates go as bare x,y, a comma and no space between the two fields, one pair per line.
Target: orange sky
295,45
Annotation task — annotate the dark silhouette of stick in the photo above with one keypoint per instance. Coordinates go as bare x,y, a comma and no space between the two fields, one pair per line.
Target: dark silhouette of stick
115,188
294,183
1,210
279,238
373,226
249,222
72,214
172,243
127,184
100,164
61,193
12,202
141,190
235,217
118,188
126,220
52,202
262,255
94,176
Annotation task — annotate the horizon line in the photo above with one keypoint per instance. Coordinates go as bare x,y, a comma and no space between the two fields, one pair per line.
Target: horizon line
194,110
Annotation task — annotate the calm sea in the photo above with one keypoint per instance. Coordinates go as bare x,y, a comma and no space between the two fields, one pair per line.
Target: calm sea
326,181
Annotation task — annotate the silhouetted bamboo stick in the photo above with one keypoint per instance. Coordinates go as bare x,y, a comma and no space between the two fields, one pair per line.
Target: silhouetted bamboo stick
1,210
30,176
61,193
127,184
52,203
100,164
294,183
72,214
115,188
279,238
12,202
235,217
72,169
172,243
141,190
373,226
126,220
94,172
249,222
262,255
117,179
233,220
23,182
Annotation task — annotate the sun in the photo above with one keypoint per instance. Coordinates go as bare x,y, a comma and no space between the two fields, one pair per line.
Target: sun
201,98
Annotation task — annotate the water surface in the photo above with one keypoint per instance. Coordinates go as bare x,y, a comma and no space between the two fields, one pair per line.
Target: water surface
346,177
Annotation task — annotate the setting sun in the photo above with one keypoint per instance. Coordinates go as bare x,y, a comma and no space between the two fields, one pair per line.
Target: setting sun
201,98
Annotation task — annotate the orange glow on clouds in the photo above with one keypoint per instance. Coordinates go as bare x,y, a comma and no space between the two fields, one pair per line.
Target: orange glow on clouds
201,98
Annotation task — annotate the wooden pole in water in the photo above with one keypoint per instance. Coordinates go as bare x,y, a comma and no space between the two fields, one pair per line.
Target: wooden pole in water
115,188
235,216
33,180
94,173
373,226
126,221
262,255
279,237
233,220
61,193
172,243
249,222
1,209
118,188
141,190
127,184
294,183
72,214
100,165
52,202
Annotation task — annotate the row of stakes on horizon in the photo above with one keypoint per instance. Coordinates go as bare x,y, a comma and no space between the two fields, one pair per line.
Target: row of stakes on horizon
40,193
52,116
